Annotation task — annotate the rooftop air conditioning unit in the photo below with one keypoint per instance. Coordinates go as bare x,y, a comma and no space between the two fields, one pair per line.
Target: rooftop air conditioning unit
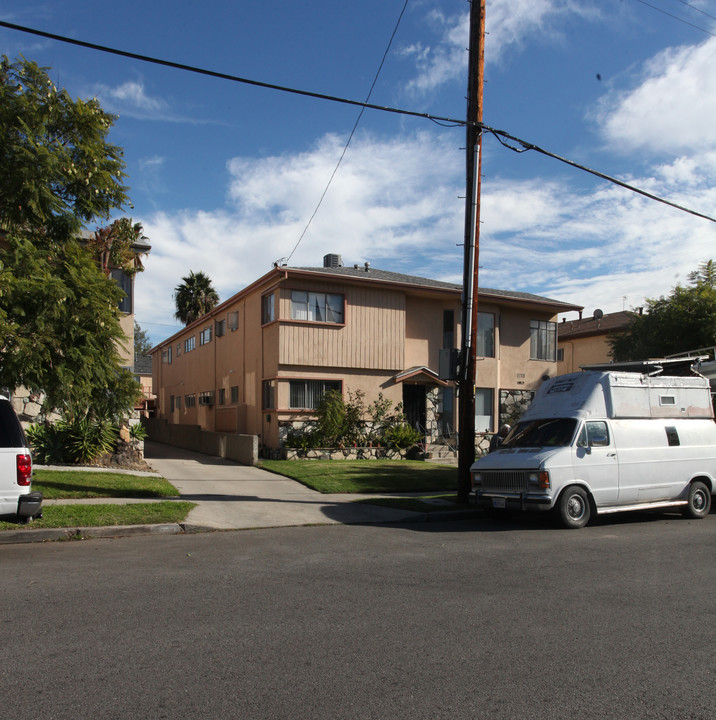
332,261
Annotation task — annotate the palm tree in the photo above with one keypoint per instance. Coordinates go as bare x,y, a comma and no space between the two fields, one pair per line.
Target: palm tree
194,297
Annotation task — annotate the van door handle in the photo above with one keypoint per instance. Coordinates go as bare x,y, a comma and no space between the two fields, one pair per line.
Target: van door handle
611,454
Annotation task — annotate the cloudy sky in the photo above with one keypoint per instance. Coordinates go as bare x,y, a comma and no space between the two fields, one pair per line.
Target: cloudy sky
225,177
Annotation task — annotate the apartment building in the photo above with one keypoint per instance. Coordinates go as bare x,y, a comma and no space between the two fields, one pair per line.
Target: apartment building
259,362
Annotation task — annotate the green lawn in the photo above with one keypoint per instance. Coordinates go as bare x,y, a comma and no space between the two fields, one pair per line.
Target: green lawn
61,484
367,476
59,516
78,484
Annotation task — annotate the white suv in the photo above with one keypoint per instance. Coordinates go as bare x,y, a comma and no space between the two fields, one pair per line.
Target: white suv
16,498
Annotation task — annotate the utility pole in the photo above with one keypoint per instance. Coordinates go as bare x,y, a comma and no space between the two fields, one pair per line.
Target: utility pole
467,378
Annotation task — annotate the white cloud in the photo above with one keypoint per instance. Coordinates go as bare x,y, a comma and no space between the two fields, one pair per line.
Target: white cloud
509,24
393,203
672,109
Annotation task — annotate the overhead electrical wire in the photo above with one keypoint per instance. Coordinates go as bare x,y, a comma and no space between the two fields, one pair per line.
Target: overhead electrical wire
676,17
498,134
223,76
350,137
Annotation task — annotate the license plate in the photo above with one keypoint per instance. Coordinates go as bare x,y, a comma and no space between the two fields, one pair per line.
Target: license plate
499,503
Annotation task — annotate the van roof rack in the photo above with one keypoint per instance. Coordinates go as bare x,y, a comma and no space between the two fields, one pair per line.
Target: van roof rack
656,366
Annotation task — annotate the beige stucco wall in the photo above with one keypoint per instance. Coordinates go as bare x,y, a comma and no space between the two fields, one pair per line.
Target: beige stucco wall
583,351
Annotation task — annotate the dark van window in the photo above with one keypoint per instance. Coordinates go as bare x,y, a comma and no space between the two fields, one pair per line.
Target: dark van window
672,436
11,434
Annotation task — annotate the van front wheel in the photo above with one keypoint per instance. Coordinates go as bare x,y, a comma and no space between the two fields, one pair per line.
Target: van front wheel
699,501
574,508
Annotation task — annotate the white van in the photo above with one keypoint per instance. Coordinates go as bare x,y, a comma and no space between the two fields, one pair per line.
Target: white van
17,501
599,442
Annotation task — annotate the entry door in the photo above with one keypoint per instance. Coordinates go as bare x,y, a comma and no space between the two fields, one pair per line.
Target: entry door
414,406
595,462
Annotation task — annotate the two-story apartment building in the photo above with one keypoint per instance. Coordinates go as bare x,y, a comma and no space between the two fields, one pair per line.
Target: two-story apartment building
258,363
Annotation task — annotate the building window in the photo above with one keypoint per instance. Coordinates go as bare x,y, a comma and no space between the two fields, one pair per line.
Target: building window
234,394
233,318
220,328
306,394
483,410
125,283
190,343
205,336
178,349
189,401
222,396
267,309
448,328
543,340
269,395
560,354
316,307
178,402
206,397
485,334
167,355
171,403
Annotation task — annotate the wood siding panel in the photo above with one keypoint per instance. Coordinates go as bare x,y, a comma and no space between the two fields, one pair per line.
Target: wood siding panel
373,336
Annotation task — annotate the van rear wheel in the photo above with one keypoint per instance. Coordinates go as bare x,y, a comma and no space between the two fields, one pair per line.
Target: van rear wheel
699,504
574,509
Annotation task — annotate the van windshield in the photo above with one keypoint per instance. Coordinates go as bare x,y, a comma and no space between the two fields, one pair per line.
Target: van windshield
553,432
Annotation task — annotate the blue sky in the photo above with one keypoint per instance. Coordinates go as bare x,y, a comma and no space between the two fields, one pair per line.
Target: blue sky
224,177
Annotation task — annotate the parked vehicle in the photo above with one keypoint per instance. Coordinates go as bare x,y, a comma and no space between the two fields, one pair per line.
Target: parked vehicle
600,442
17,500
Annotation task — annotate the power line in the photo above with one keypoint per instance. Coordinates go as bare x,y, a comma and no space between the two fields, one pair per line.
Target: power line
676,17
499,134
435,118
224,76
350,137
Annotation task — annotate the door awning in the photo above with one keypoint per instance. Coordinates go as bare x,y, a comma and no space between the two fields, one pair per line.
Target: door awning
419,375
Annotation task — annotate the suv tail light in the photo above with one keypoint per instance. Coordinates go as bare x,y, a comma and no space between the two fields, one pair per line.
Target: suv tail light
24,469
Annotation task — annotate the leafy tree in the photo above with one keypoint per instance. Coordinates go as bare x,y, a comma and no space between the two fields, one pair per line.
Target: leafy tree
142,342
685,320
59,316
194,297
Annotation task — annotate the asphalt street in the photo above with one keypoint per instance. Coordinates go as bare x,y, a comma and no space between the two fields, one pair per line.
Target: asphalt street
427,620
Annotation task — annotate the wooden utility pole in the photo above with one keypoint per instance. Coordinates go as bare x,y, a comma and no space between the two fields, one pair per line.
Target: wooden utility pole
467,378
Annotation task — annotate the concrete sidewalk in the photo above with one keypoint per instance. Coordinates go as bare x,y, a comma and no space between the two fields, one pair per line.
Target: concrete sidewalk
230,496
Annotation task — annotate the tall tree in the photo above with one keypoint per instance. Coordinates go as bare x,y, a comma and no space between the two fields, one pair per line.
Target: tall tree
142,341
683,321
59,316
194,297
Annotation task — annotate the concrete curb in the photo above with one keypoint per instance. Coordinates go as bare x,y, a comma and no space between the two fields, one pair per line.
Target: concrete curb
15,537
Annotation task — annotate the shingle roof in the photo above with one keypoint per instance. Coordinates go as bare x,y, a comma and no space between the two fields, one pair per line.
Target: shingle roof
143,364
376,275
585,327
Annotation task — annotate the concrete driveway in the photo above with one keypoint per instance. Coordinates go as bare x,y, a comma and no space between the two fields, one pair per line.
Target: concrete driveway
232,496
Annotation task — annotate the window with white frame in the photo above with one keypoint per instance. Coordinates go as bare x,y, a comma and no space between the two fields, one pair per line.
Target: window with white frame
543,340
167,355
190,401
205,336
316,307
306,394
483,410
233,318
190,343
485,335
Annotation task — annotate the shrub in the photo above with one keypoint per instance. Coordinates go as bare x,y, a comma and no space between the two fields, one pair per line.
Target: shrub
78,441
401,435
